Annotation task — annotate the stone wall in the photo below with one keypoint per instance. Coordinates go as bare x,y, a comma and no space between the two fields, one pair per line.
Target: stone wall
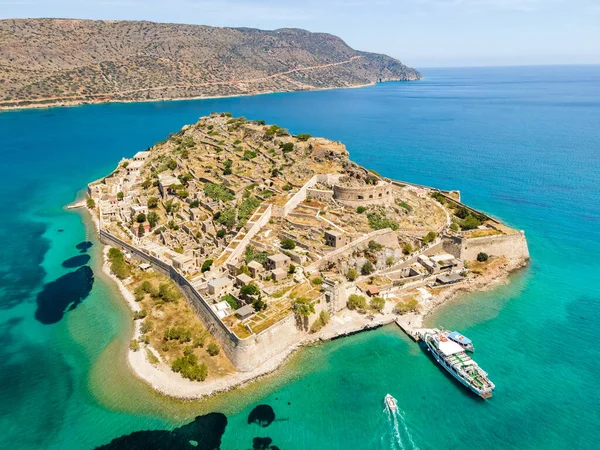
320,194
245,354
297,198
511,246
364,195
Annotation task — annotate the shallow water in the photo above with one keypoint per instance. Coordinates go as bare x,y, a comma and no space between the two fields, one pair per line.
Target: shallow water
520,143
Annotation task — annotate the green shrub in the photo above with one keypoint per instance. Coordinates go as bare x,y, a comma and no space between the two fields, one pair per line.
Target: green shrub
206,265
482,257
146,326
213,349
287,147
378,221
317,281
189,368
470,223
303,137
361,209
90,203
352,274
407,249
221,233
357,302
288,244
429,237
217,192
367,268
231,301
134,345
377,303
407,305
178,334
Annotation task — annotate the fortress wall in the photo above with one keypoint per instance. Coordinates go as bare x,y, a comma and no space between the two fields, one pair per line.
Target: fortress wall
364,195
320,194
245,354
511,246
296,199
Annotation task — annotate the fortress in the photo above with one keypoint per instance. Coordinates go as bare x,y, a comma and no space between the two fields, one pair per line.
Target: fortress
290,216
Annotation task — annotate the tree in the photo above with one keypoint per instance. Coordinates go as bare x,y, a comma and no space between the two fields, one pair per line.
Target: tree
357,302
470,223
288,244
377,303
140,218
429,237
482,257
213,349
454,226
152,202
206,265
352,274
120,196
291,269
249,290
141,230
303,307
259,305
152,219
171,207
367,268
287,147
221,233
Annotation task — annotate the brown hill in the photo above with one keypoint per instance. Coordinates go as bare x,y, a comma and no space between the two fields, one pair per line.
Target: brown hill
63,61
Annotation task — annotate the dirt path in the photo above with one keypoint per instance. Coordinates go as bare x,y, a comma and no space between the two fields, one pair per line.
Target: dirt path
184,86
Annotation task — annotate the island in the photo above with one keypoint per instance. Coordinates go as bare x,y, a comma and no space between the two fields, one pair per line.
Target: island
236,242
50,62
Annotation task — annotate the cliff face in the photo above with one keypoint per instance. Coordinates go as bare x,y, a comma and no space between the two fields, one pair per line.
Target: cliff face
52,61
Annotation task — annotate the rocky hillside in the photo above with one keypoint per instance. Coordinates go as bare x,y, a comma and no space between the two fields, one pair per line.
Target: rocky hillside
59,61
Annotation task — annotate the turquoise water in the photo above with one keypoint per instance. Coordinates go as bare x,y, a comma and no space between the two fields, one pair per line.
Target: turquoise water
520,143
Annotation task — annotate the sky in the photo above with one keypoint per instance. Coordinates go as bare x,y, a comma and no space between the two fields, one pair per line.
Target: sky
421,33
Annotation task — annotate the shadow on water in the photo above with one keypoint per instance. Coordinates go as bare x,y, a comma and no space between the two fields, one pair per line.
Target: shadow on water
264,443
204,433
84,246
262,415
63,294
22,253
76,261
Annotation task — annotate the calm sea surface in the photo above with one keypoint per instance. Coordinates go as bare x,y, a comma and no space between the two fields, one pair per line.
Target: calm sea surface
520,143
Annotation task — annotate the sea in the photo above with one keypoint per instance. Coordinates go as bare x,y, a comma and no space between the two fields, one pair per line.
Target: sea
520,143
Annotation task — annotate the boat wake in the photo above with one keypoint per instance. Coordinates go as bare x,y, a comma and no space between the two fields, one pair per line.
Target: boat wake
400,436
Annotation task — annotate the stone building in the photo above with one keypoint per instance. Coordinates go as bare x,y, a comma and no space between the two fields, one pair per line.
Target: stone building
278,261
378,194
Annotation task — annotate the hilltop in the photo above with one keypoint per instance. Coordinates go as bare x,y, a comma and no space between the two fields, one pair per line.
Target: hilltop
62,61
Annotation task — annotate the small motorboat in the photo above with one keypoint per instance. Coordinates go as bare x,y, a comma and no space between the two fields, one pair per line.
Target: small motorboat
390,403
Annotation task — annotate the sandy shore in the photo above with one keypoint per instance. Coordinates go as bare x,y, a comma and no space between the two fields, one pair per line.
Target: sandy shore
70,103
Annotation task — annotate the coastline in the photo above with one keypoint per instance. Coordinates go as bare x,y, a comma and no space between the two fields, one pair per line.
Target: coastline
69,104
163,380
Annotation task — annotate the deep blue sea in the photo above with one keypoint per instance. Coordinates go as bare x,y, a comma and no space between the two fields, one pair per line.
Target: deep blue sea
522,143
